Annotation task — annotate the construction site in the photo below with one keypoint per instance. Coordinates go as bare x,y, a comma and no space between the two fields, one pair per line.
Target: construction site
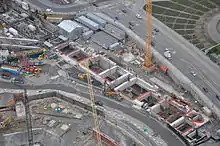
56,122
87,50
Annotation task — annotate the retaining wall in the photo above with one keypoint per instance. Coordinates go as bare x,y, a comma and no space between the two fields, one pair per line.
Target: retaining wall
67,99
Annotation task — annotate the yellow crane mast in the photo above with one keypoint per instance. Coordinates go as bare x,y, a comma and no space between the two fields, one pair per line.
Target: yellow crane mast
94,112
148,62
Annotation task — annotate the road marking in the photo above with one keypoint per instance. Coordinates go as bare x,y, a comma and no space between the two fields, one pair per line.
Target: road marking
202,76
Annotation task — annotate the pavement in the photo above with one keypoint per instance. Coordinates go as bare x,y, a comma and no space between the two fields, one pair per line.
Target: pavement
185,56
213,28
74,7
45,4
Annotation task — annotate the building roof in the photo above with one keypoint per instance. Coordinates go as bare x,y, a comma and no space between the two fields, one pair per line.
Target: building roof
115,31
95,18
88,21
103,39
69,25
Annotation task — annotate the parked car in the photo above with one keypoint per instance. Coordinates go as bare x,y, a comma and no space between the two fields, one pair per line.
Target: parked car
124,11
130,27
99,103
156,30
193,73
116,18
205,89
49,10
138,16
131,23
167,54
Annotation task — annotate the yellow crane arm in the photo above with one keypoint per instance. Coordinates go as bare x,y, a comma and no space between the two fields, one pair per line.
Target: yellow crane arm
94,112
148,62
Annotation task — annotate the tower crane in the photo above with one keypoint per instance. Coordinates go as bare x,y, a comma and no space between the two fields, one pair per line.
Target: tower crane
94,112
148,62
28,119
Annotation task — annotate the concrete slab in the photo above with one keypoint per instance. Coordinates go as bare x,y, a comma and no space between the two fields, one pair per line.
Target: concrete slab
20,110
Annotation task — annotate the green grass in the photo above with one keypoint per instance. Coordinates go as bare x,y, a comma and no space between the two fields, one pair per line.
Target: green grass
168,4
207,4
181,21
157,10
189,31
199,7
184,15
191,22
195,11
171,13
190,26
215,50
192,11
216,1
177,26
162,3
182,32
184,2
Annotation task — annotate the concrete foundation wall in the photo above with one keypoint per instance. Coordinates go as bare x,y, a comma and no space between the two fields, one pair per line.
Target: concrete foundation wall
178,122
108,72
144,96
74,52
68,99
145,85
125,75
120,80
137,81
137,102
126,85
94,75
156,108
105,63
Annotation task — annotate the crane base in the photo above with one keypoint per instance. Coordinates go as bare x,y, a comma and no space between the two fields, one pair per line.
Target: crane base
149,69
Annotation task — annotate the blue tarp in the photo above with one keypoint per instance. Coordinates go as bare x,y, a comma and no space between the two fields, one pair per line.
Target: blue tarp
13,71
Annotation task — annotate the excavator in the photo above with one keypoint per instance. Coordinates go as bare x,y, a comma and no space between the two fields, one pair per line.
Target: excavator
111,93
5,122
82,76
41,57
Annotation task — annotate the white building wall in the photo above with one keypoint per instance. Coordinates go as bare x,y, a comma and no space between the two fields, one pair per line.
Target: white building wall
156,108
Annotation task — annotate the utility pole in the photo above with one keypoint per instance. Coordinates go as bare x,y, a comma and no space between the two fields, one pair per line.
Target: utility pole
28,119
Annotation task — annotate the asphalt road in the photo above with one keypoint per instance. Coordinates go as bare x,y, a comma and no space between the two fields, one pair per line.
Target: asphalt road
153,124
56,8
47,4
184,59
